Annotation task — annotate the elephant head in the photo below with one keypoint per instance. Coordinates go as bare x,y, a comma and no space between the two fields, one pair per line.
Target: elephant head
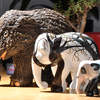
88,70
17,36
40,59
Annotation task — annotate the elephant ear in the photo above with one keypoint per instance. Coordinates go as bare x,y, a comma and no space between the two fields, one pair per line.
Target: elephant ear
57,42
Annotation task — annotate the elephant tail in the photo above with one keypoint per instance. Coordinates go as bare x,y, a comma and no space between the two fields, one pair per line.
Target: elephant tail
37,74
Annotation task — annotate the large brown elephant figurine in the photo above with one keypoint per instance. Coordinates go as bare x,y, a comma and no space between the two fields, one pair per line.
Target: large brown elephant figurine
18,31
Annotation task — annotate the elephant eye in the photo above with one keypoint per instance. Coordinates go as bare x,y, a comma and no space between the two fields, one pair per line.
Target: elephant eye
83,70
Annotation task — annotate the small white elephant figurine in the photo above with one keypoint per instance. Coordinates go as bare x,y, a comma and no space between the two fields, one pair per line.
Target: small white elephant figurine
88,77
63,53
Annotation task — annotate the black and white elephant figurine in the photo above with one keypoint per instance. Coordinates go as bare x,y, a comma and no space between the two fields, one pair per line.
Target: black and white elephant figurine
63,53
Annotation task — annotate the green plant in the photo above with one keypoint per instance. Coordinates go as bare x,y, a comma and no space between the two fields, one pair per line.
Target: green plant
75,11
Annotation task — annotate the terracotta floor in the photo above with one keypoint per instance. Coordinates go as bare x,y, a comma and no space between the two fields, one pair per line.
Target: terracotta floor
19,93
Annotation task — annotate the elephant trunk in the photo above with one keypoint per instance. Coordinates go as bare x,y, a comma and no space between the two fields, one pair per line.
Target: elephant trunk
37,71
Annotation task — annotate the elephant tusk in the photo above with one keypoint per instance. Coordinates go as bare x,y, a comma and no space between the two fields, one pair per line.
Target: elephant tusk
3,55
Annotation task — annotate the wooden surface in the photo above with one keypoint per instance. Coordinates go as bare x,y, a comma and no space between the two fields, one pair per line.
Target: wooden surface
34,93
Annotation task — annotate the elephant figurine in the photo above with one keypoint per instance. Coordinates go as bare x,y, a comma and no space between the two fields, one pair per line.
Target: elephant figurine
18,31
88,77
63,53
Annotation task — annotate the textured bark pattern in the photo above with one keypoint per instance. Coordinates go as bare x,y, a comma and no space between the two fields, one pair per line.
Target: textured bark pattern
23,72
49,20
19,29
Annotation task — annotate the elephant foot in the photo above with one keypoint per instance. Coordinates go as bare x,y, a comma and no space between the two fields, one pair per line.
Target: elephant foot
17,83
90,94
56,88
96,92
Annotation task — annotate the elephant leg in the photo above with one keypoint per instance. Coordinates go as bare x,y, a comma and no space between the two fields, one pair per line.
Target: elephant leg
47,75
23,71
57,82
96,91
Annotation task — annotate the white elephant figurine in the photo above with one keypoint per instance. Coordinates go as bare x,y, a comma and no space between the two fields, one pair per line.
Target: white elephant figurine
63,53
88,77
